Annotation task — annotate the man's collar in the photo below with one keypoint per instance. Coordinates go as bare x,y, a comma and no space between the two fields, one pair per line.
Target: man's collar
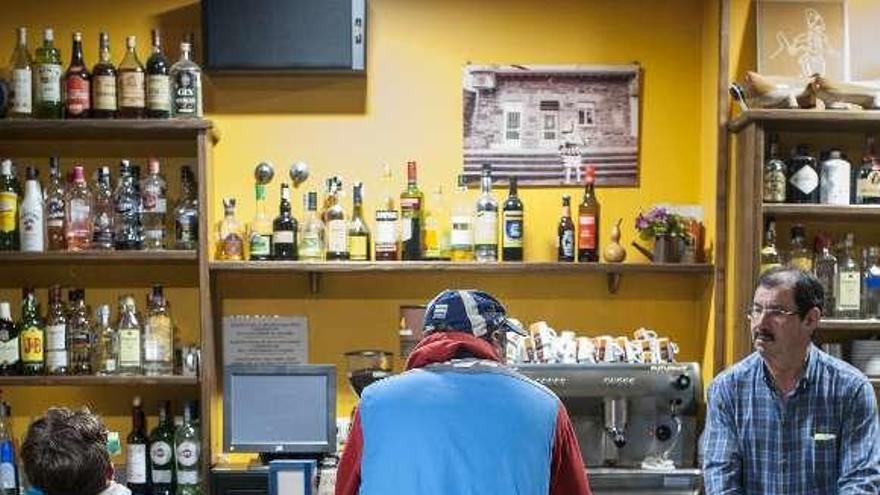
807,373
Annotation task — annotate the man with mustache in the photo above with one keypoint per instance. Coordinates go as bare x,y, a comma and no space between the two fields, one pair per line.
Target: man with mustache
790,419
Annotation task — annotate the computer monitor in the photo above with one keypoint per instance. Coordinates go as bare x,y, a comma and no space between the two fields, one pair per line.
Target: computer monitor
280,409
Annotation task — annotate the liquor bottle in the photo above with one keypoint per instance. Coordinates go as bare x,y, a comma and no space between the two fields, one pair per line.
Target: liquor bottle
387,248
103,212
411,215
77,83
55,206
770,257
588,221
10,354
848,282
486,221
57,356
79,334
834,179
158,81
462,234
130,83
31,224
336,225
187,449
21,67
774,174
137,466
803,177
129,334
512,225
9,482
260,229
358,232
78,213
104,75
158,336
47,86
825,269
162,452
186,214
311,245
284,229
31,334
871,284
154,201
9,199
105,351
436,227
230,234
868,176
799,255
565,232
186,85
127,220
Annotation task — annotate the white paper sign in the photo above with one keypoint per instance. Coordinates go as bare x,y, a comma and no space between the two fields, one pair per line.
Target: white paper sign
265,340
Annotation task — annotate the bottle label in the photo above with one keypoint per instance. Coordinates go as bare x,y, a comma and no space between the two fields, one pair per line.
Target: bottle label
462,234
158,340
187,477
105,93
77,96
187,94
774,186
187,454
7,475
9,351
21,91
160,455
513,229
835,182
386,231
282,237
566,244
486,228
159,93
110,365
232,246
49,83
310,247
131,89
31,229
56,346
136,463
186,229
587,232
869,186
410,210
848,291
357,248
806,180
8,211
337,236
154,203
79,211
161,476
260,245
129,347
32,345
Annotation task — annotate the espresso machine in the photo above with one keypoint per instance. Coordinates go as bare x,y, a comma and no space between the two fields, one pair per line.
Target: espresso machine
636,423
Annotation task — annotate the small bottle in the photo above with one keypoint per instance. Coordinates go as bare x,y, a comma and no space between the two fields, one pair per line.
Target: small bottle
57,352
103,212
486,222
868,176
104,76
825,269
158,336
77,83
9,483
387,246
412,215
158,84
56,203
127,220
311,246
21,67
162,452
260,229
154,205
186,214
871,284
47,85
462,233
335,223
137,465
284,229
10,354
835,179
78,213
186,86
187,451
31,220
588,221
770,257
79,334
358,232
512,226
32,335
800,256
803,177
230,234
130,333
104,353
565,233
131,89
9,201
847,283
774,174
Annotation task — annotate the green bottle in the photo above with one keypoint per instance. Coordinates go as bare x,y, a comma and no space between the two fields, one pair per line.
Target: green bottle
187,449
162,452
32,335
47,80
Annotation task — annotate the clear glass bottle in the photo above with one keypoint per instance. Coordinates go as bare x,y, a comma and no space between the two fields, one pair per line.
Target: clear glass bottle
260,228
461,239
104,75
774,174
158,84
825,269
130,335
186,214
387,217
311,246
284,229
78,213
79,335
105,357
77,83
358,232
868,175
486,222
56,203
848,282
21,78
770,257
103,212
412,215
32,226
186,86
57,352
154,205
336,225
131,82
799,255
47,85
230,234
158,335
127,221
871,284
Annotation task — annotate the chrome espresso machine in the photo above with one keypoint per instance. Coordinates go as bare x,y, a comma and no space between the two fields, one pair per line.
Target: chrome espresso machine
636,423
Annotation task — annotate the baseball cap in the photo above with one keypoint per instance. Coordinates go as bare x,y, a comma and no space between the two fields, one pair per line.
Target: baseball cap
470,311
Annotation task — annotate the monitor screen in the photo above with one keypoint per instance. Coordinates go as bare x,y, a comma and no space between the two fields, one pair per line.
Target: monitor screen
280,409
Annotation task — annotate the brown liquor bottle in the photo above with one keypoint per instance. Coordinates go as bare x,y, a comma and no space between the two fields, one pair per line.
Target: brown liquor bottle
77,95
104,83
131,83
588,221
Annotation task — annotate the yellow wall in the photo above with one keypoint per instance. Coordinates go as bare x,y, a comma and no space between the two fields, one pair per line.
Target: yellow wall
409,107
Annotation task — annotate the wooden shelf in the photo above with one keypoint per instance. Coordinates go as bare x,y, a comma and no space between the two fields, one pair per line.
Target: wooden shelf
829,212
97,381
446,266
838,324
93,257
47,130
808,120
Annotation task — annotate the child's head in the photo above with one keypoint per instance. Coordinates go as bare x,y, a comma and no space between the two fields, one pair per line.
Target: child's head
65,452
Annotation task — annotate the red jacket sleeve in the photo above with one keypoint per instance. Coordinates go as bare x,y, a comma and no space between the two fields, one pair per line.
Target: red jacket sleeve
348,475
567,473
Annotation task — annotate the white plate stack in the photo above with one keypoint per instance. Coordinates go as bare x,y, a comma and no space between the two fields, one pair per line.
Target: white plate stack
865,355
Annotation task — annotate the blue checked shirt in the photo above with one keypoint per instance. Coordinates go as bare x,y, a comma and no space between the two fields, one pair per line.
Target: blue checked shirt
823,439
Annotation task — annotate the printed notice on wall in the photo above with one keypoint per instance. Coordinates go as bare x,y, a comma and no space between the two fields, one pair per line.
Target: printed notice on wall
279,340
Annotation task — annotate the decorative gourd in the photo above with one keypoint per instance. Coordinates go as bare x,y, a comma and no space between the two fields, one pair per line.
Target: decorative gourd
614,252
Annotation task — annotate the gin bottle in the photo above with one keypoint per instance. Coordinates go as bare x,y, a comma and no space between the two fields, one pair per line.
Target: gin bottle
104,352
186,85
103,232
158,336
187,448
848,282
127,221
130,336
153,206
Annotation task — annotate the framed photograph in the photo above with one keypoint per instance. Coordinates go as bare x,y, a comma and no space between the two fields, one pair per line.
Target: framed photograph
544,124
801,38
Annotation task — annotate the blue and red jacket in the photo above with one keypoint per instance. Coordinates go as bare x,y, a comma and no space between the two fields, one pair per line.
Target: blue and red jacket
460,427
